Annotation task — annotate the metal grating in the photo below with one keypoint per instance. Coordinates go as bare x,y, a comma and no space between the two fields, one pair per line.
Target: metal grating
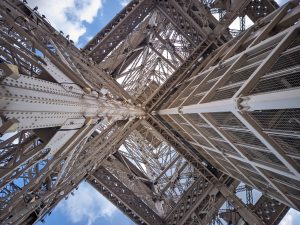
201,140
262,157
278,81
226,119
287,59
296,42
224,147
210,132
286,121
187,90
290,145
194,99
241,74
220,71
196,118
225,94
245,138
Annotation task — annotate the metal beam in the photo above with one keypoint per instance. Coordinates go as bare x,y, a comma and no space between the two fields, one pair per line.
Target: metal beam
115,31
214,105
123,198
247,215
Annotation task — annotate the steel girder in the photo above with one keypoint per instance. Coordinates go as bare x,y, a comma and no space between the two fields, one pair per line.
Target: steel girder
208,181
212,117
116,31
161,51
43,45
161,167
78,158
123,198
170,85
270,210
188,27
192,13
50,185
127,173
256,10
40,188
114,63
43,92
188,153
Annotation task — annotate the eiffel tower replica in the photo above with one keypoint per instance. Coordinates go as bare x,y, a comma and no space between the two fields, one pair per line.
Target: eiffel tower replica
170,114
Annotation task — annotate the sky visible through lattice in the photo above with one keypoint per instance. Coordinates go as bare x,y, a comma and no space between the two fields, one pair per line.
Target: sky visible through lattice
82,19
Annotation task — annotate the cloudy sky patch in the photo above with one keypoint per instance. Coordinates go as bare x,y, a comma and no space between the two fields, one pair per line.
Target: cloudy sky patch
86,205
124,2
69,16
84,18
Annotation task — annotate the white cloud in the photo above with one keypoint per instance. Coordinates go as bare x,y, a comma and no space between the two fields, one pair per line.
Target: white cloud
287,220
86,205
124,2
69,15
290,218
88,38
281,2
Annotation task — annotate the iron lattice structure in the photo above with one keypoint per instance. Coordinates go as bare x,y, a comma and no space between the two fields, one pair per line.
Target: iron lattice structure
167,112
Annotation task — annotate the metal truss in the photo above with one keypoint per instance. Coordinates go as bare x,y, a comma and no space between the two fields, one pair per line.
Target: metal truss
218,116
123,198
170,173
47,115
163,112
117,30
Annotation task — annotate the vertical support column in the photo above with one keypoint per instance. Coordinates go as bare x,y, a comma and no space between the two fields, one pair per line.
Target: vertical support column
236,108
247,215
247,87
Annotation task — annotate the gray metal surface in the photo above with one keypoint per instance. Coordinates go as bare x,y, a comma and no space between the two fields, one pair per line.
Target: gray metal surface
163,112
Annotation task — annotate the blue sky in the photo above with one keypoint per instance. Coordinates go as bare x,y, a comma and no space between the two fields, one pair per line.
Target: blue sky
89,207
86,207
82,19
